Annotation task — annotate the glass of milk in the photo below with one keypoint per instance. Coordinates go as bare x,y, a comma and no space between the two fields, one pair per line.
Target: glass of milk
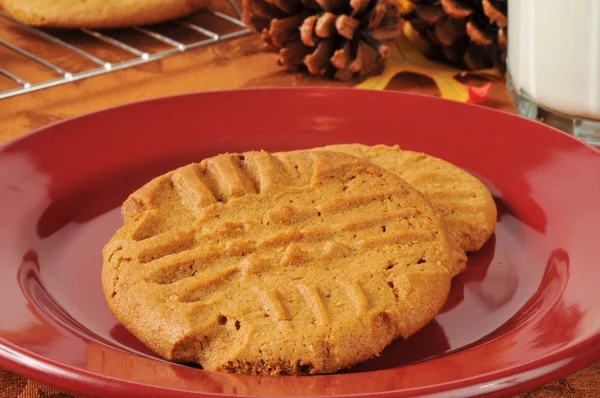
554,63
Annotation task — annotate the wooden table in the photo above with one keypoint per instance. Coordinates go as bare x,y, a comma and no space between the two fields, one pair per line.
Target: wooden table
239,63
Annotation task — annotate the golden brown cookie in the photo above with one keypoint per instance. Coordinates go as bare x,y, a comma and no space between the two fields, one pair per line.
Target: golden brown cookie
463,201
98,13
295,263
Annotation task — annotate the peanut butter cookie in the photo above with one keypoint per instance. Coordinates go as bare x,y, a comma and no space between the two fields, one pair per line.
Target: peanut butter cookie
465,204
294,263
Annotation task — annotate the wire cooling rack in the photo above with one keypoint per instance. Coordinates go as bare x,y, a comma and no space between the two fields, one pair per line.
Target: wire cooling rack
33,59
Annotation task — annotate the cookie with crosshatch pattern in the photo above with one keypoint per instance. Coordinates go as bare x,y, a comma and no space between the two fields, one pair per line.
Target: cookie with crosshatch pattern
465,204
294,263
72,14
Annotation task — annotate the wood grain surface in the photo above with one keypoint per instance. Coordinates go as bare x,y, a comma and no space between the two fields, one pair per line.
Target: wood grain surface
234,64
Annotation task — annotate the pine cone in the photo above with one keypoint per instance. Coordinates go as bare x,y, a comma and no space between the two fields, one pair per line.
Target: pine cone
335,38
471,33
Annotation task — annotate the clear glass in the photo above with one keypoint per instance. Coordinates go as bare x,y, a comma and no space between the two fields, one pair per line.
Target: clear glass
554,64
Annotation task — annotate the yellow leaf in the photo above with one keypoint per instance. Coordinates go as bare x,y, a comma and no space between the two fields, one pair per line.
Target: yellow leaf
406,57
404,5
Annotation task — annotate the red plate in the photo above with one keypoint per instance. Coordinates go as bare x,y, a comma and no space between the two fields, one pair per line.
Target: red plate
525,312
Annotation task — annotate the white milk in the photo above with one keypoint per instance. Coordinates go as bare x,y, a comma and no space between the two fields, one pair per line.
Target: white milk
554,54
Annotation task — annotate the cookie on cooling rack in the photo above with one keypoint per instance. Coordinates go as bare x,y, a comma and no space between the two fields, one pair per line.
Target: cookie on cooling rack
98,13
287,264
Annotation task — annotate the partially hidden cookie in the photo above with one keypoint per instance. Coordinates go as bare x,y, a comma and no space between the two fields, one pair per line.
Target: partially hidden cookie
288,264
98,13
465,204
